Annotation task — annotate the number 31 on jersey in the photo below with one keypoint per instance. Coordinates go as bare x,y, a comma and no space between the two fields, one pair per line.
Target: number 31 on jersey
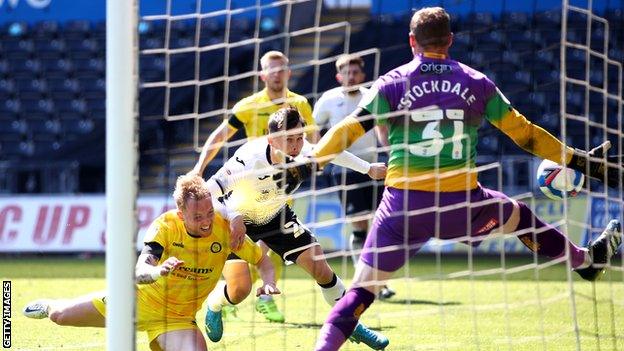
433,140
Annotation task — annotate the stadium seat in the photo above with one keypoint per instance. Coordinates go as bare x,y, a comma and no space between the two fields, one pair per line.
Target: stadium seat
146,43
49,48
11,148
26,85
96,107
56,68
10,106
18,48
45,29
62,88
76,29
37,106
479,20
77,126
547,19
519,40
544,75
516,20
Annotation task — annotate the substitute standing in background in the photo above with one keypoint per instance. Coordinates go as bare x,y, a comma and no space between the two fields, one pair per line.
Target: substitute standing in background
331,108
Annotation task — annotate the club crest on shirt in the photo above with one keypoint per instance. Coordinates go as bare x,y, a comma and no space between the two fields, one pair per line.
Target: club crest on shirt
215,247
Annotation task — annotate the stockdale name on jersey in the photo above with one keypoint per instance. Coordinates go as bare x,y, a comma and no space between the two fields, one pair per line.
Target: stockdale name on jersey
435,86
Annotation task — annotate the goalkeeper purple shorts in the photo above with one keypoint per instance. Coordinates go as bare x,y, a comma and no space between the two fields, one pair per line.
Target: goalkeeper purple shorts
398,232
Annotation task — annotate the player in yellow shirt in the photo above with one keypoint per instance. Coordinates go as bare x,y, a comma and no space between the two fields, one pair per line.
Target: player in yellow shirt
184,253
252,113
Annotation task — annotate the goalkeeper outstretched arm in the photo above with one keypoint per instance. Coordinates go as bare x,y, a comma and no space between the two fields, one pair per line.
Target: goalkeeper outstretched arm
342,135
534,139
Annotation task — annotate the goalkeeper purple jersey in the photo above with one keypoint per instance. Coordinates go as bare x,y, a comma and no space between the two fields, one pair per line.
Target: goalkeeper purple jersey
433,107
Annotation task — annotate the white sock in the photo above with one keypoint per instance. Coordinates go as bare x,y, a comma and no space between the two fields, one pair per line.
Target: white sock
217,299
356,243
335,292
587,261
265,297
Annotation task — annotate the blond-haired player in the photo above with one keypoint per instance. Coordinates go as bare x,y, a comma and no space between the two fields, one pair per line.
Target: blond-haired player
184,253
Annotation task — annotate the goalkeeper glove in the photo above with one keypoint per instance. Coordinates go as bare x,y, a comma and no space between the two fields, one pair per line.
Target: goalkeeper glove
293,173
593,164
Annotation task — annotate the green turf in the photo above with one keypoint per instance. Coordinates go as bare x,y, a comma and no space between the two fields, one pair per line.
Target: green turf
488,312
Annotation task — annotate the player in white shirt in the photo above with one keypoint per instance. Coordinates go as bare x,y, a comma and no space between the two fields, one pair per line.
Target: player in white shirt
331,108
253,184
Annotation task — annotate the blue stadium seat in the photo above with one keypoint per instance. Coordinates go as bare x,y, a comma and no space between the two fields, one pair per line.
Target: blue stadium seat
7,87
76,29
29,68
99,32
10,106
46,47
68,107
91,85
146,43
519,40
18,48
545,38
42,124
547,19
25,85
96,107
544,75
56,68
152,62
4,67
45,29
77,126
11,149
37,106
90,65
516,20
479,20
62,88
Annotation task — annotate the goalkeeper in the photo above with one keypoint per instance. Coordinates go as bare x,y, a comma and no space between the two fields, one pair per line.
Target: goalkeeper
173,278
251,184
432,108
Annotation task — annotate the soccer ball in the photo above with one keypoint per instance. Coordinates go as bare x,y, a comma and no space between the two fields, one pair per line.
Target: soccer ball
555,181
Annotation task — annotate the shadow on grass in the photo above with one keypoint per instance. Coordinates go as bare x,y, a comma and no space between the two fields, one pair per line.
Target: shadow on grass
420,302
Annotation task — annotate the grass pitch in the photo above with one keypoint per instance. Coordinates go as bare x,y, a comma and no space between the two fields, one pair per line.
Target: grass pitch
474,306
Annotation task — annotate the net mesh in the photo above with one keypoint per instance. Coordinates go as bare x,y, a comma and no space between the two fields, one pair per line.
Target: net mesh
196,63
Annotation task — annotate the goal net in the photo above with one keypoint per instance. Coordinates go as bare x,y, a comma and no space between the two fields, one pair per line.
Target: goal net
198,58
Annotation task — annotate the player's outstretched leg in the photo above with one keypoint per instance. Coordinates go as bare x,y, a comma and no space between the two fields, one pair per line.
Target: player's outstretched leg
37,309
546,239
78,312
601,250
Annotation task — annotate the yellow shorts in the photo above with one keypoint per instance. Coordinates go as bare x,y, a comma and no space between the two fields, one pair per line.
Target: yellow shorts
153,320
